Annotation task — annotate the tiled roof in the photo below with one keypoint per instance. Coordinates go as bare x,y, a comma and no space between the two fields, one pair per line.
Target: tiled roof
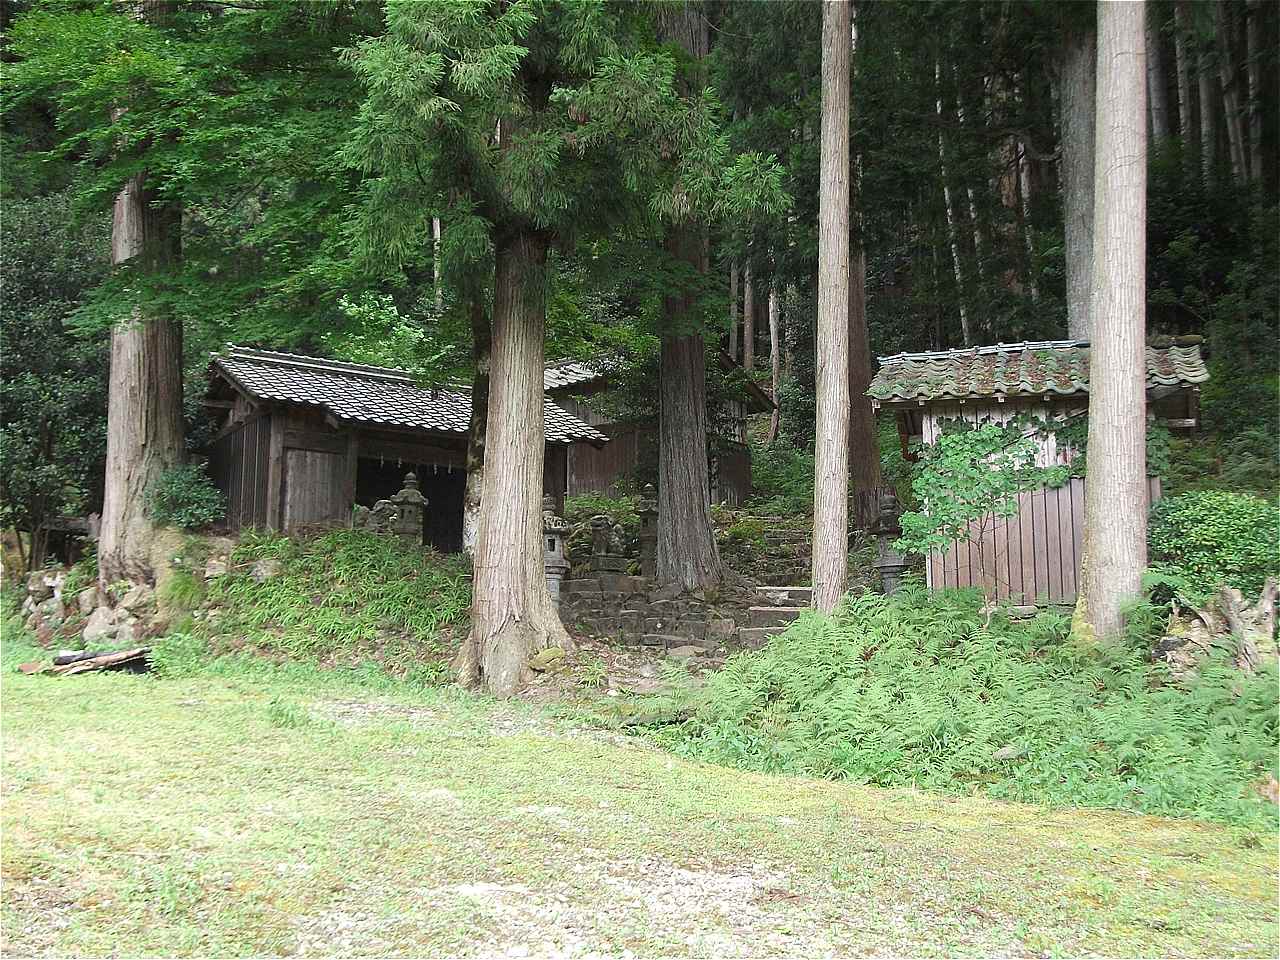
569,373
377,396
563,374
1058,367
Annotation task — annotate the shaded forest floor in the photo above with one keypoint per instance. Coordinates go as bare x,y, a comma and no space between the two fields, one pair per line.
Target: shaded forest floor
295,813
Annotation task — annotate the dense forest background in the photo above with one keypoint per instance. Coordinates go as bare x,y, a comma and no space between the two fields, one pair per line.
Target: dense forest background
253,118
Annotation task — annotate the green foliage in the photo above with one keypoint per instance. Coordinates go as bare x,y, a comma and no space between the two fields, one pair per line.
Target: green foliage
748,532
972,472
179,653
782,478
185,497
180,591
580,508
52,380
1210,538
914,690
1073,434
340,599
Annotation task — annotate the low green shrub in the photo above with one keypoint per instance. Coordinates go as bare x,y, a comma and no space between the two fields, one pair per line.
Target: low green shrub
1213,537
916,690
185,497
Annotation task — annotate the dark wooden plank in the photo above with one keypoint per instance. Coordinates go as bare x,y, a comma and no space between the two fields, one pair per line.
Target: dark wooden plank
275,473
1066,542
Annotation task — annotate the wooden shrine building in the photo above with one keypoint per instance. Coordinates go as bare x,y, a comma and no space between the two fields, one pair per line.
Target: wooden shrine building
299,441
578,386
1033,556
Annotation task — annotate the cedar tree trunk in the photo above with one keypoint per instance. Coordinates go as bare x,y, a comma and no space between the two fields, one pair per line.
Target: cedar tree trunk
687,554
512,615
144,399
1157,92
733,311
966,331
1253,41
864,449
775,361
1208,117
481,335
831,434
1114,553
748,319
1077,73
1182,66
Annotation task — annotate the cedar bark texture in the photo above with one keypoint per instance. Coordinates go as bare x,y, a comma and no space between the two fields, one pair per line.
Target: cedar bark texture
144,401
1077,77
1182,66
775,361
1208,117
512,615
1253,41
1157,92
1114,552
733,310
688,557
748,318
473,494
831,435
864,449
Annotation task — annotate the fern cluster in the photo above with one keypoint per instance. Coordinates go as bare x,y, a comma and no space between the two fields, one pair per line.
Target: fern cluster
341,597
917,690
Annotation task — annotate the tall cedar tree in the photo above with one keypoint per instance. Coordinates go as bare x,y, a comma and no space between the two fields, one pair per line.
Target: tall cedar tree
1114,552
527,127
144,395
831,436
688,558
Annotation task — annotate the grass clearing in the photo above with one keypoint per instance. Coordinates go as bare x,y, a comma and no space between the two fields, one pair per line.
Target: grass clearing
302,812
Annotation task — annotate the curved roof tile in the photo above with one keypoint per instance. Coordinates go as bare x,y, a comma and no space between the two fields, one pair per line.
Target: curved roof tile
1051,367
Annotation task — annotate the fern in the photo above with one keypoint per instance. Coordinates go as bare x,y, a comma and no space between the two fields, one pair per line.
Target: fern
918,690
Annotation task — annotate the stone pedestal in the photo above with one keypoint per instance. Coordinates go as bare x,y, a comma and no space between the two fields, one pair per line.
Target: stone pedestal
606,546
890,561
647,510
555,557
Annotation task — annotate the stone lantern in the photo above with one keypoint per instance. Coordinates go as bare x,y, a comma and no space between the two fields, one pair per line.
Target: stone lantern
886,529
555,555
410,506
647,510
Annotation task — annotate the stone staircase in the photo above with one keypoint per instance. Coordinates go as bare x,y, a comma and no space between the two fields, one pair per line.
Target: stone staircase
624,609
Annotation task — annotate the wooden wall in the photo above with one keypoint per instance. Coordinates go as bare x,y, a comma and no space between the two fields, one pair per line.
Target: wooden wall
239,464
731,474
1033,556
605,469
290,468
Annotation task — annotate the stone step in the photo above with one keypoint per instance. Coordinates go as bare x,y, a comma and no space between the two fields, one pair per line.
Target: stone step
787,596
669,641
773,616
753,638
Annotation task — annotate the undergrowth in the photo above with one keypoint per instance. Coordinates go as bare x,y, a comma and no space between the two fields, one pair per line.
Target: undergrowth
914,690
342,598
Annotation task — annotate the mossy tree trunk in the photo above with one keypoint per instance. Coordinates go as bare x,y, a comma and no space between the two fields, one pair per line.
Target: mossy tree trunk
144,400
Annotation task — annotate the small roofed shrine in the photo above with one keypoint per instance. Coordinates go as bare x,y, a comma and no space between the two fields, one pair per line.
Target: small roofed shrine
302,441
1032,557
